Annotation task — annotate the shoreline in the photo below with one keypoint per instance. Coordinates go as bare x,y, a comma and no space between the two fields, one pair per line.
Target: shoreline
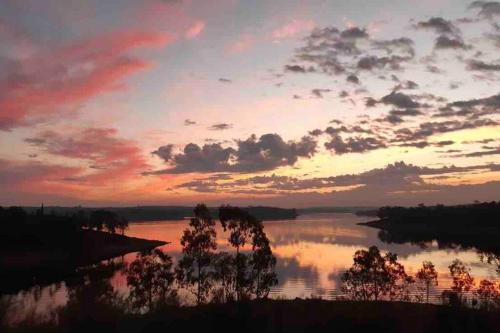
21,270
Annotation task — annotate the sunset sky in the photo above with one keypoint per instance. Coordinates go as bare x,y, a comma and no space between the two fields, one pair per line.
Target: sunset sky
284,102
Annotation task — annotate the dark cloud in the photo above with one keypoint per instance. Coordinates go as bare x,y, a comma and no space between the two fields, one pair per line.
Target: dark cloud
487,9
374,62
396,176
489,151
403,44
353,144
220,127
224,80
492,101
428,129
319,92
189,122
445,42
265,153
296,69
354,33
353,79
478,65
164,152
439,25
399,100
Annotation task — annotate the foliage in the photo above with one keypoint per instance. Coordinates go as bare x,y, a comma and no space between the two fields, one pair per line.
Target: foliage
199,243
463,282
150,278
427,275
374,277
488,295
255,270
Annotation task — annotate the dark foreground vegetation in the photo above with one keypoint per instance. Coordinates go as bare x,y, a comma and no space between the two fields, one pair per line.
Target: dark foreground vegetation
278,316
41,248
211,290
154,302
158,213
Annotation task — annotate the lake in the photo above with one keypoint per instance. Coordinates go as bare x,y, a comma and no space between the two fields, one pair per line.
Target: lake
312,253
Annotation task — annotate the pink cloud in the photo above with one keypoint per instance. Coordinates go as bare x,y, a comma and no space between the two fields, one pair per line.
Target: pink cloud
48,83
243,44
292,29
110,157
196,29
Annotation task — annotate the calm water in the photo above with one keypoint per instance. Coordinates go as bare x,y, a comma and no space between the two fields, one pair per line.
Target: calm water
312,251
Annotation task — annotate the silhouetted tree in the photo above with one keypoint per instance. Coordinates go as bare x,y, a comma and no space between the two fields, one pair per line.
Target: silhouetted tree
488,295
427,275
225,274
150,278
255,273
373,276
463,282
110,221
199,243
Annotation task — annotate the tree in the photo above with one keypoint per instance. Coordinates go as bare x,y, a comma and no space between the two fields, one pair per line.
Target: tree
199,243
225,274
373,276
255,273
428,276
488,295
150,278
463,282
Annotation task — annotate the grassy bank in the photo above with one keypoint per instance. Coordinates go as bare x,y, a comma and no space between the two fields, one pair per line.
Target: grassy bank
283,316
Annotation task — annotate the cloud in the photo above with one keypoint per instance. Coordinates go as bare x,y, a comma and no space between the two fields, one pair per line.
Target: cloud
292,29
224,80
396,177
251,155
220,127
353,144
486,152
353,79
478,65
399,100
195,30
298,69
439,25
164,152
354,33
444,42
47,84
319,92
113,157
487,9
188,122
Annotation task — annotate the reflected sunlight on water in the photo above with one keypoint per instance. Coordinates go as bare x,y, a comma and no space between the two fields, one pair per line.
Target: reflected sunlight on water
312,251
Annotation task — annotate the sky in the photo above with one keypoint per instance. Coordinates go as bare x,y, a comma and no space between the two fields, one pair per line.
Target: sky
288,103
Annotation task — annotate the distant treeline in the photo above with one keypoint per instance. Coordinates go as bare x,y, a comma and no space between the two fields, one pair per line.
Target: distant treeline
477,214
334,209
157,213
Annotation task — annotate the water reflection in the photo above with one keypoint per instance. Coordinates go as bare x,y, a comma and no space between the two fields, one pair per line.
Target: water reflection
312,251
